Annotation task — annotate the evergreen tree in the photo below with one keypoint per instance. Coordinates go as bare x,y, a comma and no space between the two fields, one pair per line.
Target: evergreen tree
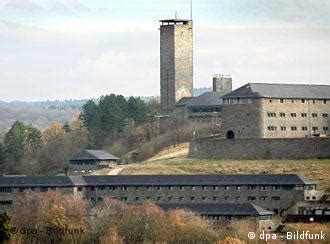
2,157
14,142
66,127
137,110
6,227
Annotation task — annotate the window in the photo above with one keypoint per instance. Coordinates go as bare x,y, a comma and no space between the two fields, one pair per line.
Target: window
21,189
159,198
192,198
92,188
272,128
325,128
227,198
215,188
226,187
281,100
238,188
251,198
282,115
215,198
137,198
324,101
293,128
238,198
293,115
148,198
181,188
124,199
43,189
325,115
271,114
159,188
304,115
170,188
203,188
251,187
283,128
148,188
181,198
100,199
204,198
315,128
275,188
314,115
304,128
112,188
263,188
79,188
302,100
288,187
169,199
263,198
136,188
102,188
6,202
270,100
193,188
276,198
231,100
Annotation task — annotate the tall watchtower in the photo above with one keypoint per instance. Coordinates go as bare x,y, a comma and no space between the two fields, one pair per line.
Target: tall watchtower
176,62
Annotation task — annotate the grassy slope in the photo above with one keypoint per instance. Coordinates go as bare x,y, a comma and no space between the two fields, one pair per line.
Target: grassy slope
315,169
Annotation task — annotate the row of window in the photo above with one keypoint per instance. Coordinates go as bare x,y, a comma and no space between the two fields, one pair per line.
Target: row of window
204,109
294,128
6,202
192,198
204,188
294,115
324,101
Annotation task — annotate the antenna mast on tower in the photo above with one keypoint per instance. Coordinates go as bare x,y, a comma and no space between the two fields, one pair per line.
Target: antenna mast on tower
190,9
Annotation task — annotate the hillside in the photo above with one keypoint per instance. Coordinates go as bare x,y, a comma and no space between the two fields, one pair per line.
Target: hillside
175,161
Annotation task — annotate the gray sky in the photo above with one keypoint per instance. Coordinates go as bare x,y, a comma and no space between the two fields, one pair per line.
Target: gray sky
61,49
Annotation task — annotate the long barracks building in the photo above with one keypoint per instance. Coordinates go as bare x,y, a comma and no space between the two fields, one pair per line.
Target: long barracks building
273,192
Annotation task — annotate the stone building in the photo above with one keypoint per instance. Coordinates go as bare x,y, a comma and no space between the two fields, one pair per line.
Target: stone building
176,62
90,160
258,110
272,192
222,83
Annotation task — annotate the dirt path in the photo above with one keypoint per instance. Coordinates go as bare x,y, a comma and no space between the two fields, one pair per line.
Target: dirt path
116,170
171,152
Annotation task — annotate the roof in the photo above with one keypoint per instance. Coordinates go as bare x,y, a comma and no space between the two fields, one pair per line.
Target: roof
237,179
31,181
175,20
189,180
94,155
226,209
184,101
207,99
267,90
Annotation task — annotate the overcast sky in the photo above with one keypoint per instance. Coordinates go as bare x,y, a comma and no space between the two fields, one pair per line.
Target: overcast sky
61,49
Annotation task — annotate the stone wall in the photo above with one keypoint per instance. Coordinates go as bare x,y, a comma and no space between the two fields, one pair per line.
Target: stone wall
279,148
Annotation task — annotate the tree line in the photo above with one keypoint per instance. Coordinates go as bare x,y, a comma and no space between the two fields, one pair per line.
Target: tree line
27,150
111,221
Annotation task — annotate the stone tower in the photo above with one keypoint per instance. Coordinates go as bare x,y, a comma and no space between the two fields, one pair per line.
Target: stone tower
222,83
176,62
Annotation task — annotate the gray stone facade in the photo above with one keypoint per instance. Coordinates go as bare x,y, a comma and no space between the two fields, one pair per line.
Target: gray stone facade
271,192
274,148
176,62
276,111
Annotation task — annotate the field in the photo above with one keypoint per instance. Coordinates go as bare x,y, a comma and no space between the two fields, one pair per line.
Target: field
175,161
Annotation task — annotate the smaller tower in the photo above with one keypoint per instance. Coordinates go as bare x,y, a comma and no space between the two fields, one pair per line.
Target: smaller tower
222,83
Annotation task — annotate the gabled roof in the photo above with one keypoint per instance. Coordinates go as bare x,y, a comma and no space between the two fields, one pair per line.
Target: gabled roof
207,99
35,181
94,155
224,209
150,180
267,90
188,180
184,101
